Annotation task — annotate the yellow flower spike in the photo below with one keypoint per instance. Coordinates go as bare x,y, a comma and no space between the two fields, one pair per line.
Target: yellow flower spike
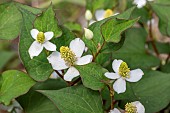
124,70
68,56
41,37
130,108
108,13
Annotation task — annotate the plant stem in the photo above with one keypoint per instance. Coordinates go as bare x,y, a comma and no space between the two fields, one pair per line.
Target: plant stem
98,51
61,76
76,81
111,96
152,40
167,58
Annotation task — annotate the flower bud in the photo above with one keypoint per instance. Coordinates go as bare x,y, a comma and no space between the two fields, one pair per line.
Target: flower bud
88,33
88,15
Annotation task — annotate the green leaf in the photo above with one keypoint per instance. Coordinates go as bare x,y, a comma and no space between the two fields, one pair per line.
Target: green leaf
112,29
10,21
162,11
126,14
92,75
105,93
103,59
14,84
133,51
38,67
5,57
73,26
35,102
47,22
28,8
76,99
152,91
166,68
161,47
166,2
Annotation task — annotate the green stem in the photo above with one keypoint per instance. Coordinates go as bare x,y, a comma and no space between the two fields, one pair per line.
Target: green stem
98,51
111,96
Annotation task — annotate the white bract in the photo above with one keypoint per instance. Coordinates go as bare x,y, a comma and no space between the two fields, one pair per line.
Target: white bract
41,41
115,110
88,33
140,3
123,74
102,14
134,107
68,57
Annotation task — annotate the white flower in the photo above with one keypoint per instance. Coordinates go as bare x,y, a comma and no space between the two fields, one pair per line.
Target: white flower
88,15
115,110
41,41
140,3
134,107
69,57
88,33
102,14
123,74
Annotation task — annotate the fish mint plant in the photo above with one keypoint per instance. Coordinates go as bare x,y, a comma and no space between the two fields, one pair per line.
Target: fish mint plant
120,63
133,107
41,41
123,74
68,57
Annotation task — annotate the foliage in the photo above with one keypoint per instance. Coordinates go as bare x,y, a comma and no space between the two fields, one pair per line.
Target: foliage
130,36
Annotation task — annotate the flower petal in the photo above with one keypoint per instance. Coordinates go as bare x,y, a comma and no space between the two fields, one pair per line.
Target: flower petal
91,22
135,75
34,33
140,107
116,64
112,75
119,85
77,46
48,35
140,3
35,49
84,60
56,61
49,46
115,110
71,73
99,14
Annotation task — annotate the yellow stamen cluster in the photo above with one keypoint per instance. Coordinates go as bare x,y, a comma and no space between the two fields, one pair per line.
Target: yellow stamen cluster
130,108
40,37
124,70
68,56
108,13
